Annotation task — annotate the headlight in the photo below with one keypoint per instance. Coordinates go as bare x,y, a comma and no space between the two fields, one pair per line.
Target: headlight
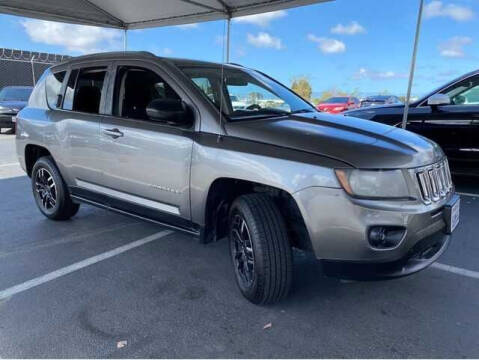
3,108
338,108
373,183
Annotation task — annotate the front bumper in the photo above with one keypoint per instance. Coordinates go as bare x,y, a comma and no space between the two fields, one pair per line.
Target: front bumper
6,121
419,257
338,228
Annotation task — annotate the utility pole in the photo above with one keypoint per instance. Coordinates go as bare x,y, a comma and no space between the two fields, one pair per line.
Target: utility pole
413,64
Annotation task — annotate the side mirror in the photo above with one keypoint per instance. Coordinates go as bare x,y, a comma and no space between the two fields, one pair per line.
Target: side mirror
171,111
438,99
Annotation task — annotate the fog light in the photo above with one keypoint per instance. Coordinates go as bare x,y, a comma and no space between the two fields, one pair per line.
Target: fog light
385,237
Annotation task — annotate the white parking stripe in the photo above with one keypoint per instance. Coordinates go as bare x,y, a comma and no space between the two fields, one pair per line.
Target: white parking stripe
456,270
10,164
467,194
80,265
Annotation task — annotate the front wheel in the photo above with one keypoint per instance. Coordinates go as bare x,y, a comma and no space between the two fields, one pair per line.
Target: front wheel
50,192
260,249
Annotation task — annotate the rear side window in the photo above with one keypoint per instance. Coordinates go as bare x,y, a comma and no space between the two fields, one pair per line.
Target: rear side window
53,87
84,90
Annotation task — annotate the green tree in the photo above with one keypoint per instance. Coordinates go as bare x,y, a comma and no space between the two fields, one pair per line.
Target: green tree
302,87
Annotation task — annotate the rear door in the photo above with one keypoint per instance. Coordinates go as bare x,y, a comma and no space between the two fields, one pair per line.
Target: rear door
147,163
79,110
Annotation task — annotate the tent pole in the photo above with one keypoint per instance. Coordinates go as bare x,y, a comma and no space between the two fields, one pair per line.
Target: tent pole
228,33
413,64
125,39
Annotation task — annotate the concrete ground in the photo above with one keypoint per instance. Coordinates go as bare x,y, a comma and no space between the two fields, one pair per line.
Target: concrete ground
173,297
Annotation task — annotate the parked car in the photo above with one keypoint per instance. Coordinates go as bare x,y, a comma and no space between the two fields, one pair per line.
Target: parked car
237,104
135,133
380,100
12,100
338,104
448,115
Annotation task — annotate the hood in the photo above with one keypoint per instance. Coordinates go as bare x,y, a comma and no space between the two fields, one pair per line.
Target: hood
331,105
357,142
13,104
364,110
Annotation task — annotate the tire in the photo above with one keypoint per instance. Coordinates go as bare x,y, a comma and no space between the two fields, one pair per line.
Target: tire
260,249
50,192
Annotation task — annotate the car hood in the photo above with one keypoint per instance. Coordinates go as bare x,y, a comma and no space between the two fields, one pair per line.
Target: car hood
393,107
329,105
357,142
13,104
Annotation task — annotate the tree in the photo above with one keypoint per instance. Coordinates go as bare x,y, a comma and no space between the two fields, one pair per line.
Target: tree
302,87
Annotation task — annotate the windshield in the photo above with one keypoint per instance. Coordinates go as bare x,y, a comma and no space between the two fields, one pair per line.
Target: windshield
245,94
336,100
12,93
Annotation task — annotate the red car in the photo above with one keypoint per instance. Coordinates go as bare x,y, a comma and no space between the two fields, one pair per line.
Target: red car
336,105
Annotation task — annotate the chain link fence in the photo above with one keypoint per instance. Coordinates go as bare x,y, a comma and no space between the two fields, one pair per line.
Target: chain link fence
20,67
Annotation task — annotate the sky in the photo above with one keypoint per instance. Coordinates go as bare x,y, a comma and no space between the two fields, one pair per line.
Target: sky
348,45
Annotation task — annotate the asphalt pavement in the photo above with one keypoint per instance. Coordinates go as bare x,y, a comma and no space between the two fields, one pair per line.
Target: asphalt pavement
169,296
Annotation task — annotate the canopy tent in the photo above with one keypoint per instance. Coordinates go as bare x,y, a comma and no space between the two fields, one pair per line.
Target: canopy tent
138,14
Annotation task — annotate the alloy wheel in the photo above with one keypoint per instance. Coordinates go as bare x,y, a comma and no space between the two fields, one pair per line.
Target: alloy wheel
243,253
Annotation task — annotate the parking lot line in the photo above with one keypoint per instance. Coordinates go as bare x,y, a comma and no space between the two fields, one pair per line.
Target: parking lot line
456,270
468,194
80,265
9,164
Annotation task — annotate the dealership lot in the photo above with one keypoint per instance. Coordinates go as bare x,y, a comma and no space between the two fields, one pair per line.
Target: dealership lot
173,297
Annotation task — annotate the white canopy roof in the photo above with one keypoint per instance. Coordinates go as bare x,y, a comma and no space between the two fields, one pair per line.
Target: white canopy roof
136,14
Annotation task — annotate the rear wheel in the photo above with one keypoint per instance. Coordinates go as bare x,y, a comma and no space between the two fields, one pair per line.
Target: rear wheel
50,192
260,249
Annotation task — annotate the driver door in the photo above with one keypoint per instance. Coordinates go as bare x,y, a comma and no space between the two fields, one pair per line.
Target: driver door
455,126
147,163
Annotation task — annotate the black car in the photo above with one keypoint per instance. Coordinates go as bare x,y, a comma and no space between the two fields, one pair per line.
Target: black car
380,100
448,115
12,100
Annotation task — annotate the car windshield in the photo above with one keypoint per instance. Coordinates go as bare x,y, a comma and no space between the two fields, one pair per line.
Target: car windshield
12,93
245,94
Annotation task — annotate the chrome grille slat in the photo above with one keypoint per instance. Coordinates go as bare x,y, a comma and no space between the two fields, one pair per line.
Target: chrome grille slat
435,181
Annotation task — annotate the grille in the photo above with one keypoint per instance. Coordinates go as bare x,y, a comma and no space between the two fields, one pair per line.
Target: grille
435,181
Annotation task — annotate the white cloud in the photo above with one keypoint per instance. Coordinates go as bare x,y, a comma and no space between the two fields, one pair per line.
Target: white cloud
263,19
454,47
75,38
352,29
327,45
436,9
167,51
265,40
364,73
187,26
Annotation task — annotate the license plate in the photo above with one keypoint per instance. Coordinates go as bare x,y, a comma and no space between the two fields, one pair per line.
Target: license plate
452,211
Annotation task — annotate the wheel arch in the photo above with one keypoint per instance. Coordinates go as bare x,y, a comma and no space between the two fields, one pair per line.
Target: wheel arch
32,153
223,191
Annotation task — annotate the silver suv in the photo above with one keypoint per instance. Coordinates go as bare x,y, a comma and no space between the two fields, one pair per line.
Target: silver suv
161,140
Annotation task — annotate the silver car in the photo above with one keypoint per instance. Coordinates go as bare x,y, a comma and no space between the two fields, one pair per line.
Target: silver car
160,139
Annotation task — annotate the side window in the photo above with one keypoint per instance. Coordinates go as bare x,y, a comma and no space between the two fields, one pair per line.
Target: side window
465,92
135,88
53,87
84,90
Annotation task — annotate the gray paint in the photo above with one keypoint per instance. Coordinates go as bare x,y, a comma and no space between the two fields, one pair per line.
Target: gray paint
298,154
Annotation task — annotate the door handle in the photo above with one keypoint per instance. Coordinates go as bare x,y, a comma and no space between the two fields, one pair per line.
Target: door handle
114,133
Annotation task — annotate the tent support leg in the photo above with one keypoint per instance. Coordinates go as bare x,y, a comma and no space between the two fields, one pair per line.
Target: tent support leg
228,34
125,39
413,64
